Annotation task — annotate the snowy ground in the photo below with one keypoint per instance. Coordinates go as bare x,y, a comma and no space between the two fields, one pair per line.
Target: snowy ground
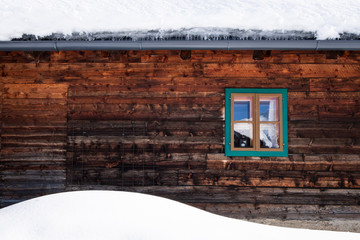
122,215
324,19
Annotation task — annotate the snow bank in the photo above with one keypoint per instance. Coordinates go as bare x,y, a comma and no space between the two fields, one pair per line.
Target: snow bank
122,215
325,18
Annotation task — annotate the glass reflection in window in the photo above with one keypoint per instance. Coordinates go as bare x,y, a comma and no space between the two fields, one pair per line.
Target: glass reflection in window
243,108
269,135
243,135
269,109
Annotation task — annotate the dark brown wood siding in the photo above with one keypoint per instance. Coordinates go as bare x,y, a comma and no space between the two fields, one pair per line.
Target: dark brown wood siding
148,121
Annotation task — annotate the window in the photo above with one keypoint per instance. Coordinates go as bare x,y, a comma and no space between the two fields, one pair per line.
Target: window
256,122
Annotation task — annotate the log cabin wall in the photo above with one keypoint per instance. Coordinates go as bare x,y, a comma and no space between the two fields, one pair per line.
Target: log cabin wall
33,132
151,122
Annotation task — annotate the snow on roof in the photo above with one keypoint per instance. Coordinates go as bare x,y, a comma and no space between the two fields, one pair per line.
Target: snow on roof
173,19
123,215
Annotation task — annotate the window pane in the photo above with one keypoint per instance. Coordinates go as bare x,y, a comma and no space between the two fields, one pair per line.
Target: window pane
243,135
242,108
269,135
269,109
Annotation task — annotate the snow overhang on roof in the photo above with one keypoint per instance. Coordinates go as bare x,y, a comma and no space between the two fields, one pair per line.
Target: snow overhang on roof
171,24
184,39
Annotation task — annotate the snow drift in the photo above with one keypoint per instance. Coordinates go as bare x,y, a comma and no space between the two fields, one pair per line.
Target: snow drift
123,215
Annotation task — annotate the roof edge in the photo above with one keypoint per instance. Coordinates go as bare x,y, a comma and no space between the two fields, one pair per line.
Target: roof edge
181,45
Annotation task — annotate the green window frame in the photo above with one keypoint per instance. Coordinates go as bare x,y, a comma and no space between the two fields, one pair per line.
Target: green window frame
252,103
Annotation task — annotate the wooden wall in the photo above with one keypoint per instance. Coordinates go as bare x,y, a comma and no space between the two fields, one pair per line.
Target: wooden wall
148,121
33,133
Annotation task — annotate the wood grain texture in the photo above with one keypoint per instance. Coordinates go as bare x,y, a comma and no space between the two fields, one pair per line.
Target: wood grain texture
33,140
148,121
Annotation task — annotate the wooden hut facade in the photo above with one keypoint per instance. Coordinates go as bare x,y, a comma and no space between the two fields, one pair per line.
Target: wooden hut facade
153,122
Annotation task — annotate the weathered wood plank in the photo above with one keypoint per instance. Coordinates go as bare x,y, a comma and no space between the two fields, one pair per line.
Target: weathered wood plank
283,211
259,178
46,164
42,132
252,195
33,143
28,156
50,176
140,144
31,150
324,133
324,129
34,119
163,84
35,103
335,84
323,141
145,128
276,56
118,91
185,69
326,95
325,162
35,91
148,139
160,108
162,113
23,190
107,69
121,175
177,101
273,70
146,159
323,125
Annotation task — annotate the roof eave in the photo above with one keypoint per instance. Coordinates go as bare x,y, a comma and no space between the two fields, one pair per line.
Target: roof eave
181,45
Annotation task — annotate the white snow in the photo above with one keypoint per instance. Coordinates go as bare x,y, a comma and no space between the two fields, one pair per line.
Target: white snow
122,215
326,18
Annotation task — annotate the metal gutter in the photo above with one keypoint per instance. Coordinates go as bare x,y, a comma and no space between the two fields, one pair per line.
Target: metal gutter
181,45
